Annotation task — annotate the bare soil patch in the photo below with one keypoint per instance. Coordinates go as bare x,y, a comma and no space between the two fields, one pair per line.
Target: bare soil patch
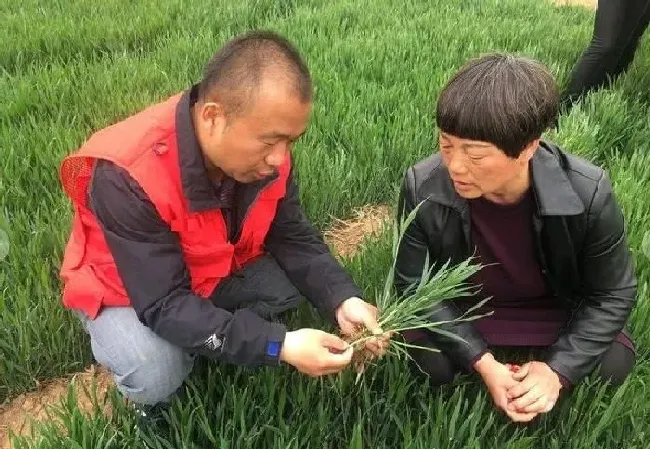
21,410
347,236
591,4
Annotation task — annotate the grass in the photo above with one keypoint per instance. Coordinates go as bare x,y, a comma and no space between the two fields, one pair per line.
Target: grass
70,67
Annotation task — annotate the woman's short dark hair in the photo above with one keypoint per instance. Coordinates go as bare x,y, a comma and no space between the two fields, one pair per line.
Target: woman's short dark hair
503,99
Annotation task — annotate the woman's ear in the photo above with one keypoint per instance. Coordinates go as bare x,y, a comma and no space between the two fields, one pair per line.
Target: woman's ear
529,151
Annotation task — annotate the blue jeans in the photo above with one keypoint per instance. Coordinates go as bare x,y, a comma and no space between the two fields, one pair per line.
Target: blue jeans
147,368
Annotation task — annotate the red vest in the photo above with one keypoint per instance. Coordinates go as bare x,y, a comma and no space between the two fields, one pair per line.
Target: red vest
145,146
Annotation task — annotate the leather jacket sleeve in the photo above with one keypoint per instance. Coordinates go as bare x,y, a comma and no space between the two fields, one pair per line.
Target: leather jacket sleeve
411,257
609,290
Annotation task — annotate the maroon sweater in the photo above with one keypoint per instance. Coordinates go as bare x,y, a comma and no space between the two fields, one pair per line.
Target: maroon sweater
524,312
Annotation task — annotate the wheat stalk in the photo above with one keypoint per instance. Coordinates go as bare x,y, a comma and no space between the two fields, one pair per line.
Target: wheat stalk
412,309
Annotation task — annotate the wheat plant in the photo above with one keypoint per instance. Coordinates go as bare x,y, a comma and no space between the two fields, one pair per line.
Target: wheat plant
412,309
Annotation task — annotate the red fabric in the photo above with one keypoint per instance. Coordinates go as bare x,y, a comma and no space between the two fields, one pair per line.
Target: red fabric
145,145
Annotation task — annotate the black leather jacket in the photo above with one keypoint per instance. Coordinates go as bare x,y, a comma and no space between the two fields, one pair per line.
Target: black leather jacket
581,244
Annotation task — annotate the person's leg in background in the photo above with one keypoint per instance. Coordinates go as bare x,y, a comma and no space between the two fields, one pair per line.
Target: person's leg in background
614,26
627,55
264,288
614,367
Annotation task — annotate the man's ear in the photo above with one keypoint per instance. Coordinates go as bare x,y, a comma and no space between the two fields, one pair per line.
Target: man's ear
213,117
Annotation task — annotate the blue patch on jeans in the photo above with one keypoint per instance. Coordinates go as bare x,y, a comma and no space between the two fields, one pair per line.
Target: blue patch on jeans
273,348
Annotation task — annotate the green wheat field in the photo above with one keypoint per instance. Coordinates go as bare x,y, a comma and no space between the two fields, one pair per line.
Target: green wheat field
69,67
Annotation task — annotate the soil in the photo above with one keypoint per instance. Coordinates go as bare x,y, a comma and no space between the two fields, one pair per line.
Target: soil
18,413
347,236
591,4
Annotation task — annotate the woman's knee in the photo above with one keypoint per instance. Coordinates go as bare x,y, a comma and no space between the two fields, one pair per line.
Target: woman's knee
617,363
435,365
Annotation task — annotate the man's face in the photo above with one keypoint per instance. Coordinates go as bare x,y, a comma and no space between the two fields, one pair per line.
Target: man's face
479,168
253,146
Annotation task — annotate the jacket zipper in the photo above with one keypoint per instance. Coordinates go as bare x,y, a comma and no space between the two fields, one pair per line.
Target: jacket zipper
240,225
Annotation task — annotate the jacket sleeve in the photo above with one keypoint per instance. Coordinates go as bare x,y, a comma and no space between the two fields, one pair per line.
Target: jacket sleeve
411,256
302,253
150,263
609,290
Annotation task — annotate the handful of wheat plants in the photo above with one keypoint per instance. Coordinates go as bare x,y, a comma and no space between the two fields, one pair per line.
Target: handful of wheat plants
412,310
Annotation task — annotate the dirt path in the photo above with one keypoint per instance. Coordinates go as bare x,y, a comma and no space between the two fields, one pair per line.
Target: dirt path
16,415
345,238
591,4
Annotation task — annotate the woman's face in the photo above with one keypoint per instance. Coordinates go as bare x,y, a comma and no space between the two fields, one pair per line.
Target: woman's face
479,168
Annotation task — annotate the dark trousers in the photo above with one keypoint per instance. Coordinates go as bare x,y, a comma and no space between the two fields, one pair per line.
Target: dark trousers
618,28
261,286
615,365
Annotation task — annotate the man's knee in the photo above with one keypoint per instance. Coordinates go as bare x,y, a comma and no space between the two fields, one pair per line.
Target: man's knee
261,286
616,364
147,369
155,378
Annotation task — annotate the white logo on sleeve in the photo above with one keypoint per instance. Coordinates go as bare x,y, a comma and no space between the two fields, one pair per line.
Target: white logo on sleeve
213,342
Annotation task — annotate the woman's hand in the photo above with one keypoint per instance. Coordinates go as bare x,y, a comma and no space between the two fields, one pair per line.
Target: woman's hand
499,380
537,389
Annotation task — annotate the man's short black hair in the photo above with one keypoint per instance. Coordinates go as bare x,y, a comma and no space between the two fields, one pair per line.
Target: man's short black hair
503,99
235,72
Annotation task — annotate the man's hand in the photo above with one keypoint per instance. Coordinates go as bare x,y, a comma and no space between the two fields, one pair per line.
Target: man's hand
537,391
499,380
315,353
353,314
